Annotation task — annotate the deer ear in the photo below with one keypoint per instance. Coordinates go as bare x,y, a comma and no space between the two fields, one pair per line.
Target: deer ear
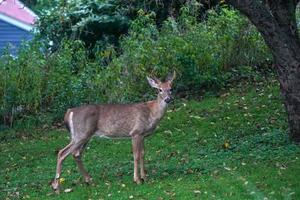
153,82
171,77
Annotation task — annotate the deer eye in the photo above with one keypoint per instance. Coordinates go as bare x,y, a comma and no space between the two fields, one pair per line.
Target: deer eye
160,90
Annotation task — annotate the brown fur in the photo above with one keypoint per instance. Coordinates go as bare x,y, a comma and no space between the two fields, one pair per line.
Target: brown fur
135,121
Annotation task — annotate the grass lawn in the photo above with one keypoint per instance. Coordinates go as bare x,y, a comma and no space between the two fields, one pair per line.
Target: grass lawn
231,147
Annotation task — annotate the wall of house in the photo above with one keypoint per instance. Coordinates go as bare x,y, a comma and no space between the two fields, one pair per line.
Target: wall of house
12,36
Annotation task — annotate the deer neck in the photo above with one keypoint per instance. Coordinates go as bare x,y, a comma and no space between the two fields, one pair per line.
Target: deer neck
158,108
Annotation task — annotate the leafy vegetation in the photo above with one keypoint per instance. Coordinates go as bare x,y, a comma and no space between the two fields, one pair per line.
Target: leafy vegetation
206,55
39,85
101,23
97,23
229,147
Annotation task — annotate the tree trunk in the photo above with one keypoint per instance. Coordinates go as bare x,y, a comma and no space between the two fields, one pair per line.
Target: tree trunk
275,20
289,77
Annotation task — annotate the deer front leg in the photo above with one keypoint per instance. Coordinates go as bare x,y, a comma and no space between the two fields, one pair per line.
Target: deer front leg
142,153
136,143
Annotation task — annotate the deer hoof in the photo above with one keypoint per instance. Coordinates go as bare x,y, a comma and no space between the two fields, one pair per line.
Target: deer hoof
138,181
55,186
57,191
143,177
88,180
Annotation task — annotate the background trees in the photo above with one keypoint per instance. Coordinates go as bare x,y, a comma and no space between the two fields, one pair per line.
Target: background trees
101,23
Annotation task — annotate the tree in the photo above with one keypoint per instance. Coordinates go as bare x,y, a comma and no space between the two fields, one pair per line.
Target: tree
276,21
100,23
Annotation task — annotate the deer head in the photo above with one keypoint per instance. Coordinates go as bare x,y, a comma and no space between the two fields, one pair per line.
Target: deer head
164,88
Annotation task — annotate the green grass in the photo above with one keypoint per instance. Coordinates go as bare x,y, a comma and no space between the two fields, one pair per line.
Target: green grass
185,158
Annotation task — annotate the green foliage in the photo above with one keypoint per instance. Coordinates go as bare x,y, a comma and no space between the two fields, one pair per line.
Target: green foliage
35,83
20,84
89,21
100,23
207,56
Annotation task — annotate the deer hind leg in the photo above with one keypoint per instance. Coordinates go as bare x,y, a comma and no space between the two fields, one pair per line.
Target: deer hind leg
136,143
61,156
77,157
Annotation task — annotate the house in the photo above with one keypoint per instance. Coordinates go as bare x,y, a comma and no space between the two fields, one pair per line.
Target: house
16,23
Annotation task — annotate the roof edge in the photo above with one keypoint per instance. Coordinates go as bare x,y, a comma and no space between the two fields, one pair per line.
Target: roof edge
15,22
26,8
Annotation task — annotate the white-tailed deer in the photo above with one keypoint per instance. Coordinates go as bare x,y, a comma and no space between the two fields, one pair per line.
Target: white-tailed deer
135,121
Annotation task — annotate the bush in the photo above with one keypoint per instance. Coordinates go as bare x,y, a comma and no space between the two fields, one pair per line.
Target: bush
21,82
36,82
207,56
100,23
93,22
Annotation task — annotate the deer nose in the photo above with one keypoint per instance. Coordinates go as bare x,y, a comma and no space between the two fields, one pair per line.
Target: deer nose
168,99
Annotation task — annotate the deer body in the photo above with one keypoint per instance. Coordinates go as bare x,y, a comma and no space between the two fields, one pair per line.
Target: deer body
135,121
114,120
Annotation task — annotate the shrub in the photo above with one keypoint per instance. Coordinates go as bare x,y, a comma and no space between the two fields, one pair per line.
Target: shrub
93,22
20,84
207,56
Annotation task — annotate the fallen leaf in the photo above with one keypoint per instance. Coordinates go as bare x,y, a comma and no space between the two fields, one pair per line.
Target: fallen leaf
227,168
61,180
226,145
68,190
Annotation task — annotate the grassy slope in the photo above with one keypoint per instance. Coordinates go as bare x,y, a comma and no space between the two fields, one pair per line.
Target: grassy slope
186,158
